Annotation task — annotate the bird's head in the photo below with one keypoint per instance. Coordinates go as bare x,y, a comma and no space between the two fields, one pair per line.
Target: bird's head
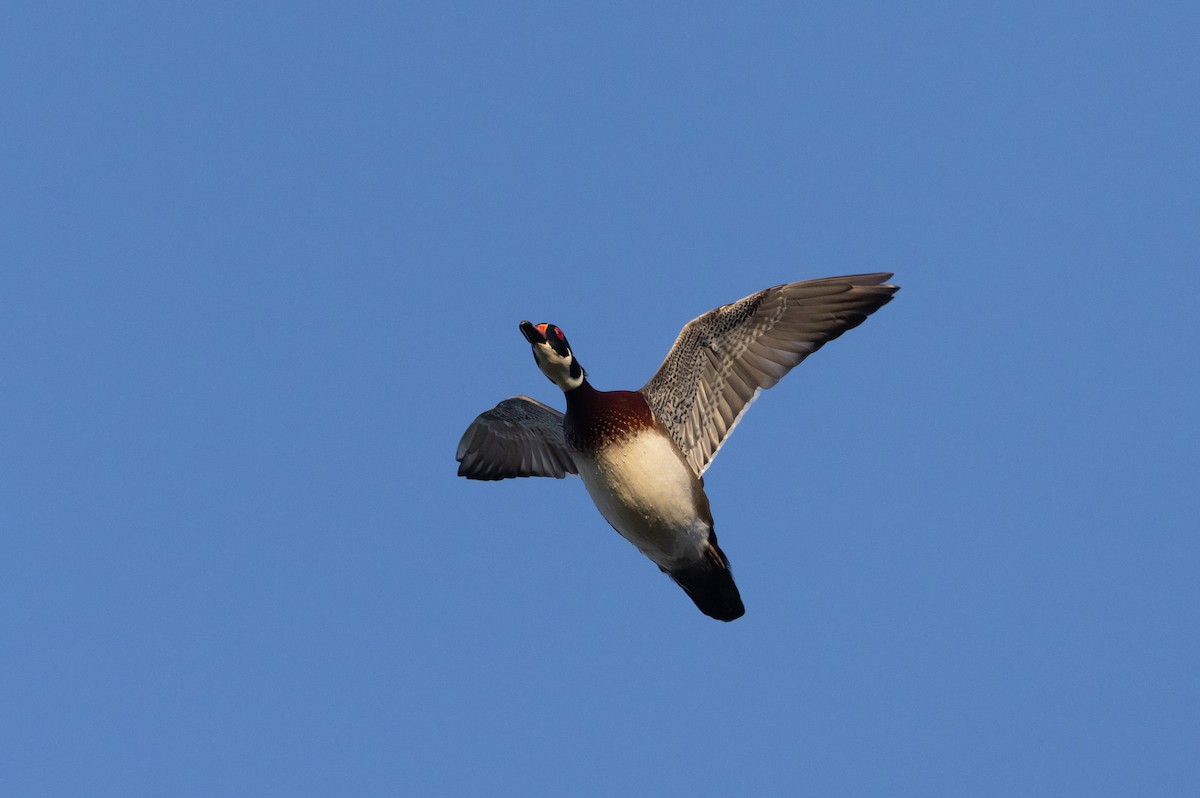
553,355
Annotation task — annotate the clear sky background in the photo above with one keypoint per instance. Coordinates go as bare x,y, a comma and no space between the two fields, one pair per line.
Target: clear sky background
262,263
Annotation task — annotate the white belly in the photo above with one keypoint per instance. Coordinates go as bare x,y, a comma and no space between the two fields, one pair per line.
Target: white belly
643,487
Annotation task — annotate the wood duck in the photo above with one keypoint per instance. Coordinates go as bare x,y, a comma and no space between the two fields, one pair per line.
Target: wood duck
642,454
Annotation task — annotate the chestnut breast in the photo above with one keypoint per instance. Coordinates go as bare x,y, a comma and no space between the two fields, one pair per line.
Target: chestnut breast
598,418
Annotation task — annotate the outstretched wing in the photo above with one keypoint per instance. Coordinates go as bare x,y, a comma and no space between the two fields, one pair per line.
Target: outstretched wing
721,360
520,437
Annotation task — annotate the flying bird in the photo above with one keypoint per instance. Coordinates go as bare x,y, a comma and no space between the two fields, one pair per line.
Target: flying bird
642,454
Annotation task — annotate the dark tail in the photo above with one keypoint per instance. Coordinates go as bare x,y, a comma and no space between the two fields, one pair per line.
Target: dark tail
709,583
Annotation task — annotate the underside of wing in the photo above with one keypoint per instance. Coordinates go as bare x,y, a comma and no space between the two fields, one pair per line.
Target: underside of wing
724,358
520,437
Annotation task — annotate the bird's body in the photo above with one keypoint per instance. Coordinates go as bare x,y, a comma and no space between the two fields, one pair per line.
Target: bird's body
645,490
641,454
643,486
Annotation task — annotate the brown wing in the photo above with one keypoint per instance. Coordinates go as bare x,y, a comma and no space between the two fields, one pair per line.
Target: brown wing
722,359
520,437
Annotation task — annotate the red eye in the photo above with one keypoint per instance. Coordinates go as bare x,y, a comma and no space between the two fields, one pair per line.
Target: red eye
558,332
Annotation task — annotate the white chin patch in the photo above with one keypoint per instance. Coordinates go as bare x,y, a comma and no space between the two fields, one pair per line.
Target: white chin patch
557,368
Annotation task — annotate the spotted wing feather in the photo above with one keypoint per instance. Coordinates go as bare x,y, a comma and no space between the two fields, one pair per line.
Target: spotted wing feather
520,437
724,358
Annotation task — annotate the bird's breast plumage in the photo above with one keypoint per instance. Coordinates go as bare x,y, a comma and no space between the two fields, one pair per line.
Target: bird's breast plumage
637,478
596,419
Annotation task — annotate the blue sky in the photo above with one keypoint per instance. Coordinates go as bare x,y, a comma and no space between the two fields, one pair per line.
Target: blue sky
261,264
